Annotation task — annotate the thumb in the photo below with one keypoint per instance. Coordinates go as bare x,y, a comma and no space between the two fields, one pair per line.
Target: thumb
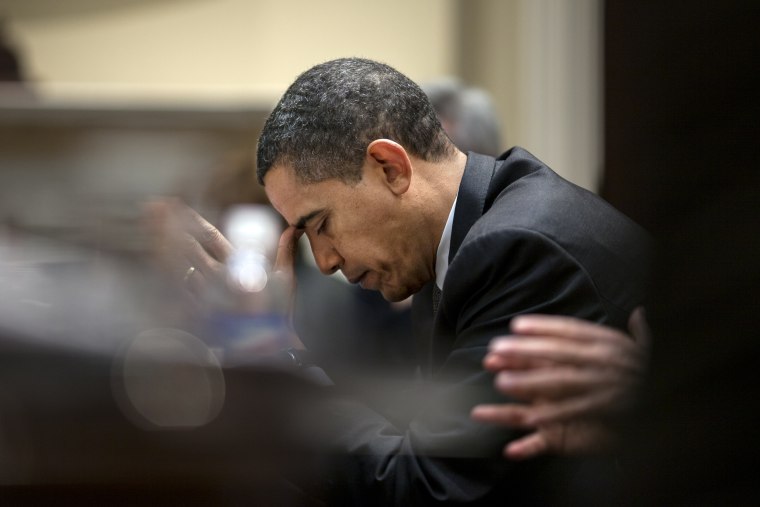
284,266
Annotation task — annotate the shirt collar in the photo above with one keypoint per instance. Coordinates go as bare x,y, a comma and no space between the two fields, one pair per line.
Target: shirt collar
442,256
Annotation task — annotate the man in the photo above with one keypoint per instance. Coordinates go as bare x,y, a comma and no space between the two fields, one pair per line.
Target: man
354,157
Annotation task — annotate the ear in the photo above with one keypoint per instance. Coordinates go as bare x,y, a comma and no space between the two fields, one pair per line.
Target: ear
393,160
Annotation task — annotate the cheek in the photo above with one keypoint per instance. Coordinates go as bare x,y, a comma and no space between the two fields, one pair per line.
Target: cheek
357,241
373,243
363,252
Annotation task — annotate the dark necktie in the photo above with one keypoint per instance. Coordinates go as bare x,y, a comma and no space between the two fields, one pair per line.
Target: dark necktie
436,299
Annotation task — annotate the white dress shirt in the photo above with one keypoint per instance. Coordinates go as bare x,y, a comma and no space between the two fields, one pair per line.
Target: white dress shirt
442,256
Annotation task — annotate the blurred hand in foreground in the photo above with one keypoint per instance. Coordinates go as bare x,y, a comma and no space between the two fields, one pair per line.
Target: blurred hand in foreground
569,378
184,244
194,252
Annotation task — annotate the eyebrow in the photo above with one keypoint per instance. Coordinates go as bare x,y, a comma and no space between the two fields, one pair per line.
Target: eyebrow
301,224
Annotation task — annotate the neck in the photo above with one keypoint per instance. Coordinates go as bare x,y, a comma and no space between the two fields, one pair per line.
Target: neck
437,184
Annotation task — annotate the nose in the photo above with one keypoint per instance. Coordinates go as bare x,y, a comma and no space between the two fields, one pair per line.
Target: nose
328,259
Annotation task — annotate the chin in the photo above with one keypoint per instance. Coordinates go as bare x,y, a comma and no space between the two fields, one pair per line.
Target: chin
396,294
393,298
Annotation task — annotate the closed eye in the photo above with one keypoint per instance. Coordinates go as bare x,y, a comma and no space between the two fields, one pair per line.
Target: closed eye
322,227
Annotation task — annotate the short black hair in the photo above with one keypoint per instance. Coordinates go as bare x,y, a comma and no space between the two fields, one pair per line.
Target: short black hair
324,122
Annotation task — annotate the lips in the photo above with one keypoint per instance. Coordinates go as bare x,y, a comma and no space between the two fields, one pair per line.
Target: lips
357,279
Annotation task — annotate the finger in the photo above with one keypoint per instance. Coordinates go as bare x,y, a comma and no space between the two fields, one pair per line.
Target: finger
529,446
602,402
206,234
198,257
619,353
495,362
505,414
284,266
287,249
195,281
555,383
565,327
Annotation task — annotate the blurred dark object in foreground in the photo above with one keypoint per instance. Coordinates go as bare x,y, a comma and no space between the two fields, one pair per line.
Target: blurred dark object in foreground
64,438
682,159
66,434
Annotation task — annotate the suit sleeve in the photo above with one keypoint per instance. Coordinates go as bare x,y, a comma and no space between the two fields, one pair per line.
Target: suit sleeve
442,455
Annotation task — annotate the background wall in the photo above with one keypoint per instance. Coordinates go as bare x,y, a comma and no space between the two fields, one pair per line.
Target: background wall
249,46
539,58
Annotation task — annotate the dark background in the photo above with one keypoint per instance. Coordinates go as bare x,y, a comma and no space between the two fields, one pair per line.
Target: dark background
681,157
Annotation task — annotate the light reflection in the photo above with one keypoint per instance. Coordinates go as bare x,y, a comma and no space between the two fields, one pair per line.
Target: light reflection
168,378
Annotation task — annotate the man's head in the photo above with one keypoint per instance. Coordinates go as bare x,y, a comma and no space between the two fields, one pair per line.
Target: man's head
323,124
350,155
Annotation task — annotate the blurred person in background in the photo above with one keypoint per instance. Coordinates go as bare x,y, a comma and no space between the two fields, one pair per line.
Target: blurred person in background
467,114
12,72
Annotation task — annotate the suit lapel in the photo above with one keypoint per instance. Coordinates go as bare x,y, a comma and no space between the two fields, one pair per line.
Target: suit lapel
479,173
471,199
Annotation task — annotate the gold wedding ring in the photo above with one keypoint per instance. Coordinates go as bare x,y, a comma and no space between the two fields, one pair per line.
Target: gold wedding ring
188,274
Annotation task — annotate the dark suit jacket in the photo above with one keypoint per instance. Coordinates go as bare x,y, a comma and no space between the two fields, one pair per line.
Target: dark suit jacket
524,240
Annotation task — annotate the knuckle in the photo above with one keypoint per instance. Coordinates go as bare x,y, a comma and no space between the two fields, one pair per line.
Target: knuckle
210,234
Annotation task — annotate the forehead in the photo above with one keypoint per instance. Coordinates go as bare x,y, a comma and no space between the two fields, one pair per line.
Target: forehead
283,190
294,199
